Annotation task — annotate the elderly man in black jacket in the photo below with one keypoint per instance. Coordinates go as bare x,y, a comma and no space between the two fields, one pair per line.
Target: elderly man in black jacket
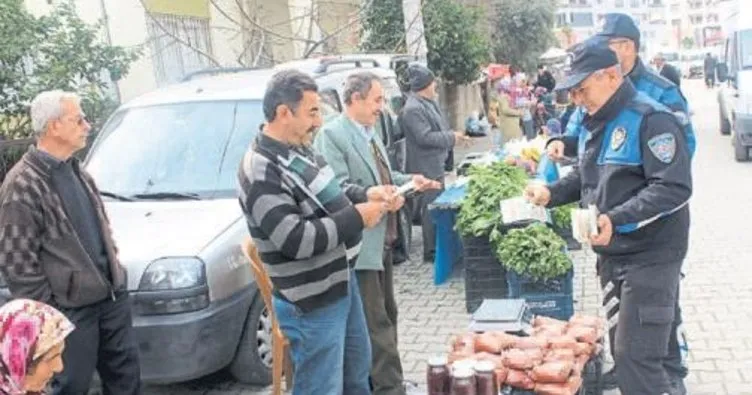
429,140
666,70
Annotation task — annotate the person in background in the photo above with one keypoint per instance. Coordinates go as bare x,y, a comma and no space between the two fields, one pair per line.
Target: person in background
666,70
509,117
709,66
525,102
540,118
307,227
58,249
32,340
545,79
429,140
349,144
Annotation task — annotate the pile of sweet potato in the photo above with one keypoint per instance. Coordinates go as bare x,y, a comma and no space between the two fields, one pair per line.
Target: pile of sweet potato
549,362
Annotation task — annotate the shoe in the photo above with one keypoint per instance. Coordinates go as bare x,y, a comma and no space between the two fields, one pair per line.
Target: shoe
677,386
609,380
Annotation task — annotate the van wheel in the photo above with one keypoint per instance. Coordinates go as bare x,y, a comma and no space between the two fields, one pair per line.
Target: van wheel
253,359
741,152
725,124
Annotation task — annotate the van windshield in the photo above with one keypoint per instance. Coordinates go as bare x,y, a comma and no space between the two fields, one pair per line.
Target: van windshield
185,148
745,48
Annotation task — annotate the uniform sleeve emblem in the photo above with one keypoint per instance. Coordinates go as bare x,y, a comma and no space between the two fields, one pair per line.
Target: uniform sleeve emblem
663,147
618,137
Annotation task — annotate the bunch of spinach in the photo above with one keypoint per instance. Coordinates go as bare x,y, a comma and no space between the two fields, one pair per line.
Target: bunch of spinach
535,251
488,185
562,215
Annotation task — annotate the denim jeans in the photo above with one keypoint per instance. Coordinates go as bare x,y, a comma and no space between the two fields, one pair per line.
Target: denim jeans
330,347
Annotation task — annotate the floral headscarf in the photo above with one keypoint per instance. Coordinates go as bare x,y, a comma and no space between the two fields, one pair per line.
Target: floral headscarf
28,329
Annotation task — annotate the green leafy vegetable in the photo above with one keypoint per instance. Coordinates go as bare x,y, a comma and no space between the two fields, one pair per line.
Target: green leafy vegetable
534,251
562,215
487,186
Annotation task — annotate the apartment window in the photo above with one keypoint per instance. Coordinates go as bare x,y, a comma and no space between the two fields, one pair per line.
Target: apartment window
619,3
634,3
582,19
561,20
177,43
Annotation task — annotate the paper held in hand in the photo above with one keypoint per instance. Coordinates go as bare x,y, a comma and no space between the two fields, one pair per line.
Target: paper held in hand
584,223
519,209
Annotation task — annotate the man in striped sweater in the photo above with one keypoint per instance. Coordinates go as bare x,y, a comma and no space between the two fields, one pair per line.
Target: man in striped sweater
307,228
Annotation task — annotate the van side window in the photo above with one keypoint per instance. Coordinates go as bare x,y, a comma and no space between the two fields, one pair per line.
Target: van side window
733,59
330,104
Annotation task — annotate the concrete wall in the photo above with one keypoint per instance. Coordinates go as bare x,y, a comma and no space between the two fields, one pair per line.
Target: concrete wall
459,101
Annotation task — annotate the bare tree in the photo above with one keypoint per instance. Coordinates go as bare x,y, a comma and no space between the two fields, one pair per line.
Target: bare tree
259,37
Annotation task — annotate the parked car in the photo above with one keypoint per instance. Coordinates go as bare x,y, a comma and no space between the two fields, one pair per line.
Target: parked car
735,81
166,163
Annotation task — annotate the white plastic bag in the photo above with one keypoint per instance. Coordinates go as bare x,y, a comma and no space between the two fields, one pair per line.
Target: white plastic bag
519,209
584,223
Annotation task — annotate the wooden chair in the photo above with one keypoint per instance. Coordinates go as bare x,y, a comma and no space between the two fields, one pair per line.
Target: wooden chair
281,361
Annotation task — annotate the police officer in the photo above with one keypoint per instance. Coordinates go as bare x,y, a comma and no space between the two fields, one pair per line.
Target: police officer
634,166
622,36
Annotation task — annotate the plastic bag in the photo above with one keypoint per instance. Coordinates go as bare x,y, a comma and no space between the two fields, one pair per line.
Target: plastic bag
583,334
519,379
552,372
518,209
488,342
518,359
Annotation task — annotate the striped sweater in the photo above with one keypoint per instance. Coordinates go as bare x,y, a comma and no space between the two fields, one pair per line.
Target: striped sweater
301,219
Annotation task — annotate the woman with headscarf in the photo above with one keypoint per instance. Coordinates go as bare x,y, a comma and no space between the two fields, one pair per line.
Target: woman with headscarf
508,118
32,338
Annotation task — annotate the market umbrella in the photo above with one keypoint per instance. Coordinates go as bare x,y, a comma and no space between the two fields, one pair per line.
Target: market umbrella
553,53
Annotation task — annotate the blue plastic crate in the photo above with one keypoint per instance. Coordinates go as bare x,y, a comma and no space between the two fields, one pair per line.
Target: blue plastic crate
553,298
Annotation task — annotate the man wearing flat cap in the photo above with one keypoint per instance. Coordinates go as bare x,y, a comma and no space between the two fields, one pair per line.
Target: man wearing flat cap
634,166
429,141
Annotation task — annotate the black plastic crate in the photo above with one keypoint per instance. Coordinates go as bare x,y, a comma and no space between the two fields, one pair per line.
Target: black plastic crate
552,298
485,278
566,234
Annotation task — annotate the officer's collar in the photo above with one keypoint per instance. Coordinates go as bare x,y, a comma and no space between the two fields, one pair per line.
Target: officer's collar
614,105
638,71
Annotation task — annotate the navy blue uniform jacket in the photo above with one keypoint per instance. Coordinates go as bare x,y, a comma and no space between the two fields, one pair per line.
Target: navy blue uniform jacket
634,165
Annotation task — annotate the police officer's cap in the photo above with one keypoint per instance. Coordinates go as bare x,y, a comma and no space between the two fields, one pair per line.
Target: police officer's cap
617,25
587,58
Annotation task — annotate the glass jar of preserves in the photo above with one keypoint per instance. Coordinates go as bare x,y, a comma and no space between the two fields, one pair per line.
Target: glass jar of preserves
485,379
463,381
438,379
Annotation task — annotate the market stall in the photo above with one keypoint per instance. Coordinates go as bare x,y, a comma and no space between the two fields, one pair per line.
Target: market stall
552,357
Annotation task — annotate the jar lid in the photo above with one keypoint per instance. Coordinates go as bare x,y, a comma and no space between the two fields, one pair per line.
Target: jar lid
484,366
462,372
438,361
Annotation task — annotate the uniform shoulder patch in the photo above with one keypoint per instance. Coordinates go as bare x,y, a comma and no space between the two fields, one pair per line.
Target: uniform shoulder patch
663,147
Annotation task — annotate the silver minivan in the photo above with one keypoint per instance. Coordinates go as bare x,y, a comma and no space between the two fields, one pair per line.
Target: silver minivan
166,164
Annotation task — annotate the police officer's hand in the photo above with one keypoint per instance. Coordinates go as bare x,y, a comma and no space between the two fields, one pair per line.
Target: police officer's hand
605,231
555,150
371,212
537,194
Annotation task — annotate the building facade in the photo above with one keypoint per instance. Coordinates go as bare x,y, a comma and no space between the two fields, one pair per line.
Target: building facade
578,19
182,36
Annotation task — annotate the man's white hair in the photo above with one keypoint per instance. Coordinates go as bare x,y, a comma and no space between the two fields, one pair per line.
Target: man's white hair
48,106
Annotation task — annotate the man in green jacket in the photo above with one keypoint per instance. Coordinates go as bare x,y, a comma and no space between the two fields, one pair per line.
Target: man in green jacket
356,154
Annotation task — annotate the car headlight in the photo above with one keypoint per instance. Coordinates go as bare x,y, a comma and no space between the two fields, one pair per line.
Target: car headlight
173,273
171,286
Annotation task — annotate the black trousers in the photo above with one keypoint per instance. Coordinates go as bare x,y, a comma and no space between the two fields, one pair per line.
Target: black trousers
380,307
427,225
103,341
641,302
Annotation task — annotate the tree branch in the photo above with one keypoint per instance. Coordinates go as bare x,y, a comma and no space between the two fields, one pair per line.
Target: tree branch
176,38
